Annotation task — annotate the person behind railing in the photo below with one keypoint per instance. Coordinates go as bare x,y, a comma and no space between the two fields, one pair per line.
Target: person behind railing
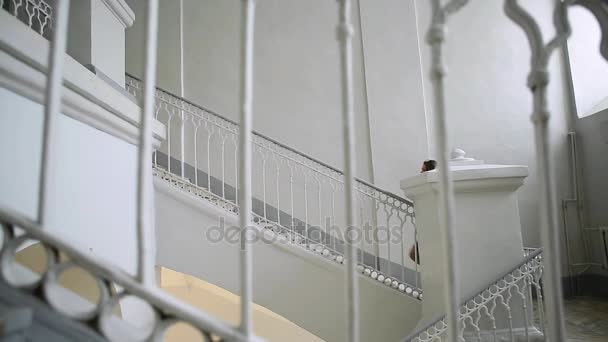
427,165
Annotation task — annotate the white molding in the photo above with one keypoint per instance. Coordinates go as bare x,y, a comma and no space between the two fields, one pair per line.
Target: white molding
86,97
121,11
477,178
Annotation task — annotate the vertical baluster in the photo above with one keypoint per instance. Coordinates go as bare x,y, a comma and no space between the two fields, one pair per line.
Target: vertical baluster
530,299
374,227
509,297
17,5
352,294
40,15
210,130
436,39
293,219
236,167
145,235
389,213
360,221
403,220
197,123
492,318
540,301
524,300
263,154
278,178
171,112
305,202
52,107
316,177
30,10
224,137
158,106
333,187
245,199
182,144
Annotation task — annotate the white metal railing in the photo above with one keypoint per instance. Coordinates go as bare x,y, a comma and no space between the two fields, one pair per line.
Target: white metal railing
496,312
538,81
37,14
17,230
295,195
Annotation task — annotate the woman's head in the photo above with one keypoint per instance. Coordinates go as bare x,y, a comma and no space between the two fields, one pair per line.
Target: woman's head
428,165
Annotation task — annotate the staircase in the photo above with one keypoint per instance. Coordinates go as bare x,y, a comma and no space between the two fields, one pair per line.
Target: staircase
297,198
298,265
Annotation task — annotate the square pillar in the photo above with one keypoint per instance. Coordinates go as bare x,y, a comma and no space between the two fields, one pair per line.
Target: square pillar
486,224
96,35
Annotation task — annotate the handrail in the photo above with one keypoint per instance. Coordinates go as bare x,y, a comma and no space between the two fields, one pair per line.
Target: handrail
530,254
291,149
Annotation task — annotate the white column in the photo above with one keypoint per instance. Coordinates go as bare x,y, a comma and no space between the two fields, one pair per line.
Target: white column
97,35
485,220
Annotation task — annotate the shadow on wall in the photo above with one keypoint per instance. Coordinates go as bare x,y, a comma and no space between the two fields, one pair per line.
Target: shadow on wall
225,305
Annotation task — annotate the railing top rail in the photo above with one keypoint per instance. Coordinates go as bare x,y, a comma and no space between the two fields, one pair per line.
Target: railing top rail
316,161
528,257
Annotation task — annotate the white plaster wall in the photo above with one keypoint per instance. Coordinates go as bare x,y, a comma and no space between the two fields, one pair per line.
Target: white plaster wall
488,103
589,68
590,83
592,133
395,93
297,80
297,89
301,286
93,190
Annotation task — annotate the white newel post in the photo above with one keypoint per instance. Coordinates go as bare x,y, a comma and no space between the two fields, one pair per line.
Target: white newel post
486,221
97,35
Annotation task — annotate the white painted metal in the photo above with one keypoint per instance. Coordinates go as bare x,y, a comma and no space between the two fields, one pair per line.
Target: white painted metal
99,268
436,38
37,14
245,198
538,80
345,31
145,233
181,87
143,284
489,315
54,88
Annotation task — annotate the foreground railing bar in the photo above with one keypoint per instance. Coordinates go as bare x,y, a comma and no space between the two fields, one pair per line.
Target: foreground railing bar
436,39
54,87
245,170
145,236
345,34
116,275
255,133
527,259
